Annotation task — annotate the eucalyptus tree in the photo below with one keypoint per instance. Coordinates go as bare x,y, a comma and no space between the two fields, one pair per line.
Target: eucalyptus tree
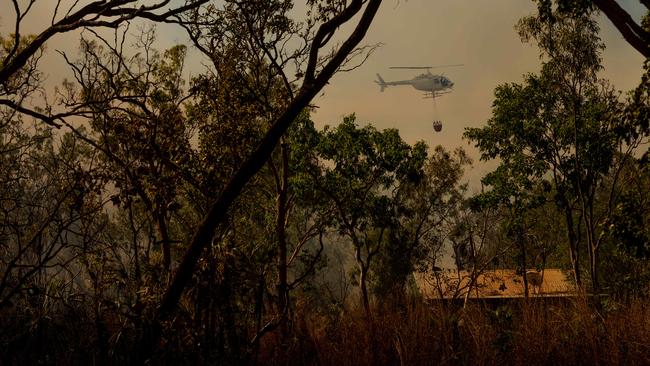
49,197
359,171
561,131
629,230
135,109
424,210
300,216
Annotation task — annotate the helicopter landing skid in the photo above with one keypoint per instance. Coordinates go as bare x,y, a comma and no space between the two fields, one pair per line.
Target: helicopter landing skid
430,95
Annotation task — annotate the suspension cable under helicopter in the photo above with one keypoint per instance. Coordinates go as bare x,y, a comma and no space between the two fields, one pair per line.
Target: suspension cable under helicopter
437,123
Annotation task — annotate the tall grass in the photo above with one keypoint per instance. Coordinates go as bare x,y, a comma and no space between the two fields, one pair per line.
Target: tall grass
413,332
548,332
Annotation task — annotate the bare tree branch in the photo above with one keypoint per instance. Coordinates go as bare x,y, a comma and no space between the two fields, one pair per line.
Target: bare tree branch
43,117
96,14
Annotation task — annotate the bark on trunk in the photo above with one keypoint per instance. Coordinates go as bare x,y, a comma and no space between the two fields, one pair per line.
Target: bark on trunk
161,221
574,249
364,289
595,283
524,263
281,221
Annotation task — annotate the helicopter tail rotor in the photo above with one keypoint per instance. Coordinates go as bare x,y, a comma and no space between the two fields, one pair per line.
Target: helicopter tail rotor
381,82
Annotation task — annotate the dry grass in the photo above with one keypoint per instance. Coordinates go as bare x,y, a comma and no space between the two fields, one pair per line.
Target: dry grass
535,332
550,332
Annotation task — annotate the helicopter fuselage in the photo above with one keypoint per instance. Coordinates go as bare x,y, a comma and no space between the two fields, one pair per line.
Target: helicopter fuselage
426,82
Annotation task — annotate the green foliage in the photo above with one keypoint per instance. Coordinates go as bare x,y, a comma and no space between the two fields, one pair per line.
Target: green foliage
360,172
561,134
630,227
361,168
421,211
627,228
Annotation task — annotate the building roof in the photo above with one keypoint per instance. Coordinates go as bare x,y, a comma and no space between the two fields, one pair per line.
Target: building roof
499,283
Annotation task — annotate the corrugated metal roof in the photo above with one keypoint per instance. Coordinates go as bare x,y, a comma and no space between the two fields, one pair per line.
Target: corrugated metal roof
500,283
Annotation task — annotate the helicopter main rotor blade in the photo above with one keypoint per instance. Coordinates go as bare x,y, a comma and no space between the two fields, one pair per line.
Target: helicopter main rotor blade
410,67
424,67
452,65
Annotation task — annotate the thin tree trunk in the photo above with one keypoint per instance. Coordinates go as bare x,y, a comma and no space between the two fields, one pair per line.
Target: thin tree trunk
364,290
473,276
524,261
574,248
592,245
363,275
161,223
595,283
472,280
281,221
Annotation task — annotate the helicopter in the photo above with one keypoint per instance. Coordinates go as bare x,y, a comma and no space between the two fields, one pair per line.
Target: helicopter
432,85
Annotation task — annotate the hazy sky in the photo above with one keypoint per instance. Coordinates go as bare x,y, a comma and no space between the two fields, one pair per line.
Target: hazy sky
476,33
